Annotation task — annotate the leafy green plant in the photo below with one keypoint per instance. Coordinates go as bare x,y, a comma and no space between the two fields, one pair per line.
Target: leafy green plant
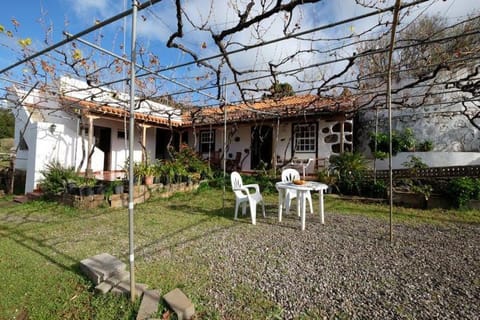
350,169
56,177
416,184
463,189
425,146
401,142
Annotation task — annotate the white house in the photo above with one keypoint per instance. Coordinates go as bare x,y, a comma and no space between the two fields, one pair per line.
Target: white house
63,126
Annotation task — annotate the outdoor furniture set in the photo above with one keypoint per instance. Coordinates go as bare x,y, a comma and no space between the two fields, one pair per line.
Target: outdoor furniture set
289,188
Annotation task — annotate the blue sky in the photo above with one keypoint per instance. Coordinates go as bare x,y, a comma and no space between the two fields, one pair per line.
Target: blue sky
157,23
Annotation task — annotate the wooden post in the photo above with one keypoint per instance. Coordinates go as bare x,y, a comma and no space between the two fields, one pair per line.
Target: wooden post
89,170
144,141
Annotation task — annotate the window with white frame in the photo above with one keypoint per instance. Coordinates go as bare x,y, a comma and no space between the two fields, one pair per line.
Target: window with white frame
207,141
305,137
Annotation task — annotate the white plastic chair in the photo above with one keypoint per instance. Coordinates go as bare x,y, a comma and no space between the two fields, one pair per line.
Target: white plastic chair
249,193
288,175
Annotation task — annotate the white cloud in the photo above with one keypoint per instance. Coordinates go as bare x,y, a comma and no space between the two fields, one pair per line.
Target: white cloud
95,9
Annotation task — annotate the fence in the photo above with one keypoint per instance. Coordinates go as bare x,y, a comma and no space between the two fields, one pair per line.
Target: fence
436,172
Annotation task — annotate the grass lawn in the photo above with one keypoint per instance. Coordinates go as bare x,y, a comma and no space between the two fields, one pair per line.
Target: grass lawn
42,243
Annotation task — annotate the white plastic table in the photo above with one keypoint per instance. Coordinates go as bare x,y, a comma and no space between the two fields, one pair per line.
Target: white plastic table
301,193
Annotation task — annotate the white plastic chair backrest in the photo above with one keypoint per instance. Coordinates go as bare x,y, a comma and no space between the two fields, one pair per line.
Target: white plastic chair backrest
288,175
236,180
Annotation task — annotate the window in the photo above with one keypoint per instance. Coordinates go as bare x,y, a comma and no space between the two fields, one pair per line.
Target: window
207,141
305,137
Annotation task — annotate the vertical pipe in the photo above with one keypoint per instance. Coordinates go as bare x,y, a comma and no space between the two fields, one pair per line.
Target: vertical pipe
276,147
130,152
375,147
389,103
224,141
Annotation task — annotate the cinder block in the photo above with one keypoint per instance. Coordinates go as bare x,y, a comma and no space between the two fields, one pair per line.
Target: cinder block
103,287
101,267
180,304
111,282
149,304
123,287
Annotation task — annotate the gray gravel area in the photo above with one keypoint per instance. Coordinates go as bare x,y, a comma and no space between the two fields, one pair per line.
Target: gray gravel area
347,268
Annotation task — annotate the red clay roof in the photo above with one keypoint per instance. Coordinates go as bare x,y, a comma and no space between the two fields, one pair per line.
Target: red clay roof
271,109
265,109
96,108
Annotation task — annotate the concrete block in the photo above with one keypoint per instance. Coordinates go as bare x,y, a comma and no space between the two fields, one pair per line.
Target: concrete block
123,287
180,304
101,267
103,287
111,282
149,304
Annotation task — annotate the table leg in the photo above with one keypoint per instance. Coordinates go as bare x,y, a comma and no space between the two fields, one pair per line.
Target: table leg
321,206
281,193
301,197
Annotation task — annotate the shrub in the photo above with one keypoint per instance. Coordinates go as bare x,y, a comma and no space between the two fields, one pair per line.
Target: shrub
350,170
377,189
401,142
56,177
417,185
461,190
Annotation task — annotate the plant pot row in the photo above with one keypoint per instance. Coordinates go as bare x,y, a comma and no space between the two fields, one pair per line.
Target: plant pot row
85,190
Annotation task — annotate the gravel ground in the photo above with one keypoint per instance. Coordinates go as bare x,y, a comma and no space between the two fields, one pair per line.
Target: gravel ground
347,268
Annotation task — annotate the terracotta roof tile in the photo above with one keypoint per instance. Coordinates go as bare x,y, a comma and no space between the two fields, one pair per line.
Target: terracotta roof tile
266,109
96,108
286,107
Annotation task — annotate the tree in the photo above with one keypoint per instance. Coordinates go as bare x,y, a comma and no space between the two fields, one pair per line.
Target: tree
435,71
279,90
7,124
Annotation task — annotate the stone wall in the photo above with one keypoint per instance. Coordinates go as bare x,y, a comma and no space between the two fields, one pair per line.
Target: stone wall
449,130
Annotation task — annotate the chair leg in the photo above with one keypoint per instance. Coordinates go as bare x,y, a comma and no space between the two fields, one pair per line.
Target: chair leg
263,208
253,212
237,204
244,208
288,202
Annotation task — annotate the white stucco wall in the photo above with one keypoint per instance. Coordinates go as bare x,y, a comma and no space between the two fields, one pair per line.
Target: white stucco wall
432,159
239,139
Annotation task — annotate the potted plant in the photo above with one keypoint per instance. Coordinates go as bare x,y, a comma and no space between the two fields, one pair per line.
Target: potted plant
86,186
117,186
148,172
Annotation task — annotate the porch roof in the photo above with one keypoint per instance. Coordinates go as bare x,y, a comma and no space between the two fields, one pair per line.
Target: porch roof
150,117
286,107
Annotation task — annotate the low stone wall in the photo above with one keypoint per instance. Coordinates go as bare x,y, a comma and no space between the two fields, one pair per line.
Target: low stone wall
141,194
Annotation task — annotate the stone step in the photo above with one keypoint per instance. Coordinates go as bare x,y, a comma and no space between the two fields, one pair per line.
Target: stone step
101,267
149,304
180,304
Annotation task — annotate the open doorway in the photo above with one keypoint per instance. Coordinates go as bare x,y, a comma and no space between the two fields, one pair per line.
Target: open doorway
261,146
103,142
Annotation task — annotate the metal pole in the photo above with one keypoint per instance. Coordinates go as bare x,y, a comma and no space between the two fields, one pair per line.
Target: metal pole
131,150
375,147
389,103
224,141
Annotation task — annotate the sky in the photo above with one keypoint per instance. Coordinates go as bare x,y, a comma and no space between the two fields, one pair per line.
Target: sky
34,17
